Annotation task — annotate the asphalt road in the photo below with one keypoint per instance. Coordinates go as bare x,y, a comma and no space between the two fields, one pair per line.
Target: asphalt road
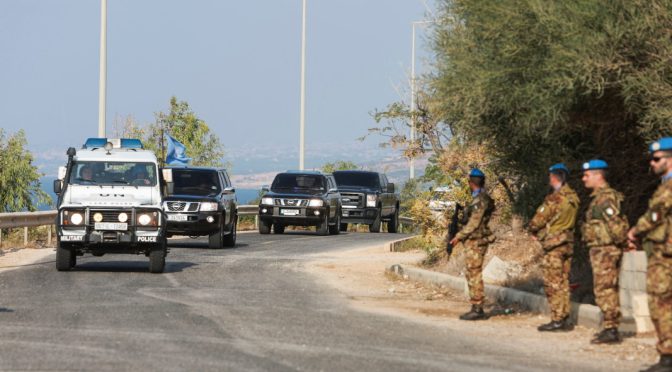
246,308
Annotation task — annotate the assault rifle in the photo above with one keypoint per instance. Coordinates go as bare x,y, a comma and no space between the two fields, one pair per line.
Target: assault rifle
453,228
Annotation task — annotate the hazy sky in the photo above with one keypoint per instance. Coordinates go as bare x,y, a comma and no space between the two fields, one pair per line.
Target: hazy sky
236,62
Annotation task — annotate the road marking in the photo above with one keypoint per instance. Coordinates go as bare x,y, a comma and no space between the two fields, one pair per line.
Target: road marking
172,280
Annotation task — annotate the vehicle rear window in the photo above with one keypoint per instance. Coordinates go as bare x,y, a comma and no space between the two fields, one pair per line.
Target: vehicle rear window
195,182
286,181
359,179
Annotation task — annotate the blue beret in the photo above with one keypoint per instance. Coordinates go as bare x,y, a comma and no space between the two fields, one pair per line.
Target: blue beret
663,144
558,167
595,164
476,173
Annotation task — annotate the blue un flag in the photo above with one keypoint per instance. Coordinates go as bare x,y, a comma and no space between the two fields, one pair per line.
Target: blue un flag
176,154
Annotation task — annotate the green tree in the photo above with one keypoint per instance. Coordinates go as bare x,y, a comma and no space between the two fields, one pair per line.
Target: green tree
19,178
203,146
339,165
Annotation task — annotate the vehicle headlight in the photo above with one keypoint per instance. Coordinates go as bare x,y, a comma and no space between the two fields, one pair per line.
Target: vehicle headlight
76,218
123,217
371,200
315,203
267,201
98,217
208,207
144,219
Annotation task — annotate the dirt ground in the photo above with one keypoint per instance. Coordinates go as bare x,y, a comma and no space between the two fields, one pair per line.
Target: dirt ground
360,275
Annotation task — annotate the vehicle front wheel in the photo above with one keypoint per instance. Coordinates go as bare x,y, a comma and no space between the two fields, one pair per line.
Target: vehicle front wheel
375,226
336,228
157,259
264,227
393,224
230,239
278,228
216,239
323,228
64,257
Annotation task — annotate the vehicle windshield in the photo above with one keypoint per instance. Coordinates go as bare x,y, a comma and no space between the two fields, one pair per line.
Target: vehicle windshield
113,173
358,179
297,182
195,182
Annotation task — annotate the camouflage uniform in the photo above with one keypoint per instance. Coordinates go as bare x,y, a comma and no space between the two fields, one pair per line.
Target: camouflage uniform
553,224
605,233
476,236
656,228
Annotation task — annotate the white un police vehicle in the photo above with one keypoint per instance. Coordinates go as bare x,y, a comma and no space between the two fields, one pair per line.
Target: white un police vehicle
109,201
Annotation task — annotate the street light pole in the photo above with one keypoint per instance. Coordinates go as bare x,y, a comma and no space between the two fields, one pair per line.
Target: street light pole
413,94
412,162
102,78
302,128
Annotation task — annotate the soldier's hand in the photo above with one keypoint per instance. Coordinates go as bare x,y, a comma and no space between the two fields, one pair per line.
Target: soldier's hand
632,237
454,241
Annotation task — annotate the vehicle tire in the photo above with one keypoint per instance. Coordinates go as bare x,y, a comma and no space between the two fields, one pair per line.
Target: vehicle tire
63,257
230,238
278,228
264,227
375,226
344,227
393,223
335,229
323,228
157,259
216,239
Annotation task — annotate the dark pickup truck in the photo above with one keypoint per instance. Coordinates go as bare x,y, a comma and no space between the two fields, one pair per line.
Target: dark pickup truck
367,198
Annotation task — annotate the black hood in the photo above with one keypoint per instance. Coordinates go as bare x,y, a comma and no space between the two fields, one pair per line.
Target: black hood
360,189
191,198
272,194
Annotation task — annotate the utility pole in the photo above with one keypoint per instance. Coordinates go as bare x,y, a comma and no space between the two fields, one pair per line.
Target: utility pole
102,79
302,124
414,93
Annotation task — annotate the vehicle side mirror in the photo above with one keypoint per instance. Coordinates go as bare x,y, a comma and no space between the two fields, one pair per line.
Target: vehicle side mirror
229,190
167,174
61,173
58,186
265,188
390,187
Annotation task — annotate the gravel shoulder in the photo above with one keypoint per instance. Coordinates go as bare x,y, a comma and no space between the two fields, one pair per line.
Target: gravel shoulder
359,275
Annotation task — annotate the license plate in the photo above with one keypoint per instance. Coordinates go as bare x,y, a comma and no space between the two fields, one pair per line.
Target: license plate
111,226
178,217
289,212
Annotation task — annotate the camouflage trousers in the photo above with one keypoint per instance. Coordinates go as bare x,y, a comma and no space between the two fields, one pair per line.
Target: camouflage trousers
606,263
556,265
659,288
475,250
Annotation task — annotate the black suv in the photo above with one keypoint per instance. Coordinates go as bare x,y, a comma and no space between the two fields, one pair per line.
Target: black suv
202,202
301,198
367,198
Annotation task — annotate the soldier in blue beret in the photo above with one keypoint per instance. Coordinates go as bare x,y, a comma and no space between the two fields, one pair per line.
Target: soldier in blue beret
475,235
553,226
655,229
605,233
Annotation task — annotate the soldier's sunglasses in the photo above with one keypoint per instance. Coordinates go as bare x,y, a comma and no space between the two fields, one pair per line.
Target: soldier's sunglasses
656,159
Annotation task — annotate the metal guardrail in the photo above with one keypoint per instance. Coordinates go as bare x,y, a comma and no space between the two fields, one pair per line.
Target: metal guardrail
43,218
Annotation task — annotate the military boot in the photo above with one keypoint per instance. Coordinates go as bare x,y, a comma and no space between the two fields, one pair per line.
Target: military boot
557,325
664,365
607,336
476,313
